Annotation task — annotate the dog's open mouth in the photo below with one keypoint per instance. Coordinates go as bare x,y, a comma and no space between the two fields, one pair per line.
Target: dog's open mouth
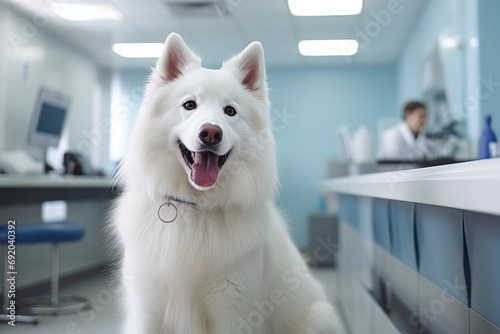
204,165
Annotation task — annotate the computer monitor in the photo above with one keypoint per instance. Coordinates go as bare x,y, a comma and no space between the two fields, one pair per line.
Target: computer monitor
47,122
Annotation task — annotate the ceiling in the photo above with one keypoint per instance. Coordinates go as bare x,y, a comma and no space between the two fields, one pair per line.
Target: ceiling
224,32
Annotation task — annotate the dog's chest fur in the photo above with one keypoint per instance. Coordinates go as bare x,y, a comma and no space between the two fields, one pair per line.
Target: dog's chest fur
203,263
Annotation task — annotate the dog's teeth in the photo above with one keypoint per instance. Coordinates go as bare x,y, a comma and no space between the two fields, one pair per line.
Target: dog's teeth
192,155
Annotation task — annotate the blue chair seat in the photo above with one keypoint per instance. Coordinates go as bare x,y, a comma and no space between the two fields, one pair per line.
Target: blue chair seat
54,233
43,232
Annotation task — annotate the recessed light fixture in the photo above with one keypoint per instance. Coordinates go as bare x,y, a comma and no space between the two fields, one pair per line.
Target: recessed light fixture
138,50
325,7
332,47
86,12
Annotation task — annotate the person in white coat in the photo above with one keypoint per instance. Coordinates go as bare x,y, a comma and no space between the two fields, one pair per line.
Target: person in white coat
405,141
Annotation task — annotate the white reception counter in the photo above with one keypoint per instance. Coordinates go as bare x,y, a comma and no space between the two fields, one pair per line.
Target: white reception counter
418,249
471,185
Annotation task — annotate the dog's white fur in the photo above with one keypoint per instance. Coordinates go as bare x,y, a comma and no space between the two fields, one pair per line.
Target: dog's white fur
225,265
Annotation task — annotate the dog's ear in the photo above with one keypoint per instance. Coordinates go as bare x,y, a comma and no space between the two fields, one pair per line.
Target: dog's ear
174,58
250,67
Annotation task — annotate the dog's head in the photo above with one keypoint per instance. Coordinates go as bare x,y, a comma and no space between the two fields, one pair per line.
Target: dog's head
201,134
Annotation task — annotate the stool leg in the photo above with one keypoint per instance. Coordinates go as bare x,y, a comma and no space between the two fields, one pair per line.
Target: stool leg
54,289
5,282
54,303
4,314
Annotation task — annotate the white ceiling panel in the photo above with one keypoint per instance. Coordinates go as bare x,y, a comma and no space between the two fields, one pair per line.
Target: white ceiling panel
225,27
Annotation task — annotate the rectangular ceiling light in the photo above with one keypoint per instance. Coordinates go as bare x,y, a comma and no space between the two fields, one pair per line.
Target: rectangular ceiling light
138,50
333,47
325,7
86,12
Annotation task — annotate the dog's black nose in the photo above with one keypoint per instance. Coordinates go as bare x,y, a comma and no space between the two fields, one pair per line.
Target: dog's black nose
210,134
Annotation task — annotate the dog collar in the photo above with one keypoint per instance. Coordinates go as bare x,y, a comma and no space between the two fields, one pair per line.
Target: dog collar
169,203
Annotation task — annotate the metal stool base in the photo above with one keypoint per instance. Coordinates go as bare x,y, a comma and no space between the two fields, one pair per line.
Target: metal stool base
33,319
44,304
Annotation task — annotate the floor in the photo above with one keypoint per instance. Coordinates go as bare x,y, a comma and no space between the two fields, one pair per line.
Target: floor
103,317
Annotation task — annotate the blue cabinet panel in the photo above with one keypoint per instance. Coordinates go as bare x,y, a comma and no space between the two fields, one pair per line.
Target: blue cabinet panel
482,233
441,249
349,210
381,228
403,235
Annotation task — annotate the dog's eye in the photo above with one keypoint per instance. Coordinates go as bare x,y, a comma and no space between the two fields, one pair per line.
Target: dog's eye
230,111
189,105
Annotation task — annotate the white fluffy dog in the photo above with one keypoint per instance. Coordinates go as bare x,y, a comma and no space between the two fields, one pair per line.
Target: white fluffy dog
205,251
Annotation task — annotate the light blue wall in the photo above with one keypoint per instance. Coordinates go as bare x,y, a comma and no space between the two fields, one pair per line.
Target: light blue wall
132,84
433,19
126,94
317,101
460,18
489,56
471,104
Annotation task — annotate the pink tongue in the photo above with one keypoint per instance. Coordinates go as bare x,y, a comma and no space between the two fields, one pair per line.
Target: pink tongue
205,169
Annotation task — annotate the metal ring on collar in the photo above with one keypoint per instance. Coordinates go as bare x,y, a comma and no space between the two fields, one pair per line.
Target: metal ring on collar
167,204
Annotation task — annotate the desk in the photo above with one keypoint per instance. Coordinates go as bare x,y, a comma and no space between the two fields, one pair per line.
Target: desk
419,249
35,189
88,201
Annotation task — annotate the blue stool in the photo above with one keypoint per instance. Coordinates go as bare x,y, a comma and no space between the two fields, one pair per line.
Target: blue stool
54,233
